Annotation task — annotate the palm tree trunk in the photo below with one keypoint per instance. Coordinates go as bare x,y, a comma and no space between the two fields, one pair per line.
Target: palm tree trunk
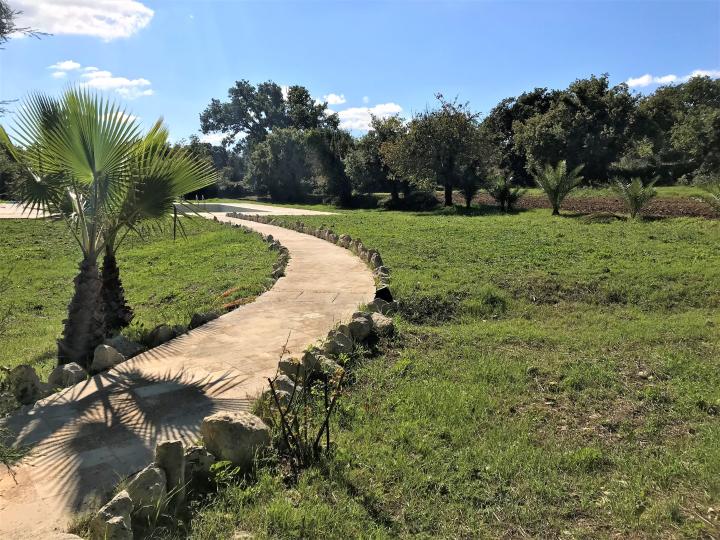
85,324
118,314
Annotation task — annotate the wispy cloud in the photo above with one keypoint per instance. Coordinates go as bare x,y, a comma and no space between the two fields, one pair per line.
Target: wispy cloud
100,79
106,19
358,118
334,99
648,79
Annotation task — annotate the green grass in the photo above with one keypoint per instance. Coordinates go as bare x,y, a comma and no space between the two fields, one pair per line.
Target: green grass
165,281
571,387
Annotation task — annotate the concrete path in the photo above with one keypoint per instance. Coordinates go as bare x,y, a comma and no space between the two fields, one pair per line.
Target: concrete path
89,436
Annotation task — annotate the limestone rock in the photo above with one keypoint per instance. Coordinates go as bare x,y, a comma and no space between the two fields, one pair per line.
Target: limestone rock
381,306
360,328
159,335
124,346
197,463
329,368
284,383
375,259
105,357
338,343
383,326
198,319
170,457
345,240
112,522
292,367
345,330
25,384
66,375
148,490
235,436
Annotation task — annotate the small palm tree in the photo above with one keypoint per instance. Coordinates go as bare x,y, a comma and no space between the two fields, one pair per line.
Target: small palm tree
505,193
711,185
75,151
557,182
159,176
635,194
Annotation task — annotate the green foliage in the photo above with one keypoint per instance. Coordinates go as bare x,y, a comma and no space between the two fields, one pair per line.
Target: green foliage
567,403
328,148
710,184
557,182
635,194
502,189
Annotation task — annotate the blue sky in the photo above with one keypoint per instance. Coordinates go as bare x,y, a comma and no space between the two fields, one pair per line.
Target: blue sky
170,57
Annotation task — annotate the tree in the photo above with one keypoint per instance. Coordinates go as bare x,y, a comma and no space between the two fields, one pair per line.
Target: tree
635,194
279,166
328,148
8,24
557,182
76,151
590,123
252,112
502,188
366,164
439,147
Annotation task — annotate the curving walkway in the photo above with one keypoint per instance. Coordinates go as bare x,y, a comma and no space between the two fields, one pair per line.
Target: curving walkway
88,436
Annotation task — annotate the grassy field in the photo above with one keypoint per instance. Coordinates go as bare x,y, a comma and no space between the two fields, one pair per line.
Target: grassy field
554,377
165,281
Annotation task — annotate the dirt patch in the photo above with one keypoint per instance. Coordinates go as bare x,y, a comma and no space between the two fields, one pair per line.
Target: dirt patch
660,207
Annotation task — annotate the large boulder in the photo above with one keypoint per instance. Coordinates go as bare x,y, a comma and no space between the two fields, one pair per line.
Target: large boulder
112,522
148,491
124,346
235,436
360,328
382,325
170,457
66,375
293,368
337,344
25,384
105,357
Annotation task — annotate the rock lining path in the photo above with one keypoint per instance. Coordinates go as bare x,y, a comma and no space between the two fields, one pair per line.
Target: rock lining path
88,436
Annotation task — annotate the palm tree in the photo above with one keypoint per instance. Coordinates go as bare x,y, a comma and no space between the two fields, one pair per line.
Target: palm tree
557,182
75,153
635,194
159,177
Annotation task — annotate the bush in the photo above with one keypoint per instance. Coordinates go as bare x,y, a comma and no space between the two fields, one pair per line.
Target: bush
711,185
416,201
501,189
635,194
557,182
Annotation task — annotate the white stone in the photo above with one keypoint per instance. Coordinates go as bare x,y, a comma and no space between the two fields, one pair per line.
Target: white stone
148,491
235,436
383,325
112,522
66,375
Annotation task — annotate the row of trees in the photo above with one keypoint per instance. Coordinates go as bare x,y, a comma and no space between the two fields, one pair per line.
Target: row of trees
290,146
85,161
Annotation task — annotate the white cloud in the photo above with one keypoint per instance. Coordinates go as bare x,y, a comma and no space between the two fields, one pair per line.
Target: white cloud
101,79
65,65
213,138
366,99
647,79
334,99
358,118
106,19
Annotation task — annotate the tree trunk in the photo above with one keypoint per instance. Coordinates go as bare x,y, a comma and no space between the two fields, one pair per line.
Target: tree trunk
448,194
118,314
85,324
395,196
556,211
468,201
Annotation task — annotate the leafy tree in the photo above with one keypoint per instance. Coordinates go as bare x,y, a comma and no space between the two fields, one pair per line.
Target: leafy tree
502,188
328,148
590,123
366,164
557,182
8,24
635,194
439,148
280,166
252,112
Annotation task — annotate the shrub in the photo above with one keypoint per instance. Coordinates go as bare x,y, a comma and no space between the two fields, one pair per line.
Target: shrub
416,201
634,194
557,182
501,189
711,185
